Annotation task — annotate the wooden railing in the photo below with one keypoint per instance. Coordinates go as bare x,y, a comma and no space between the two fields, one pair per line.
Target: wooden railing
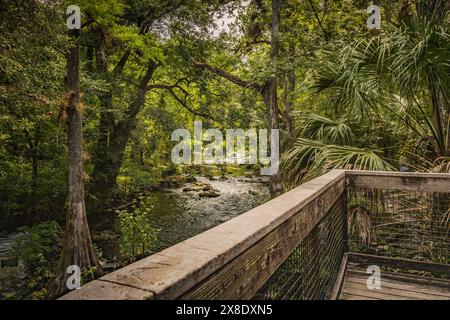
408,215
290,247
232,260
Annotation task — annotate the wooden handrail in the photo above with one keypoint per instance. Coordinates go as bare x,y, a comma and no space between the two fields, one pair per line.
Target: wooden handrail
409,181
175,271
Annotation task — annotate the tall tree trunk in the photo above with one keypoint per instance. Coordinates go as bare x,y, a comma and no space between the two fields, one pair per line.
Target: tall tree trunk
77,247
34,179
288,97
271,87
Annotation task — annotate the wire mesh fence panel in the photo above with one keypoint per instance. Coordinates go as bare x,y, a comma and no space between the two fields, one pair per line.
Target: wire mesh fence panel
403,224
310,272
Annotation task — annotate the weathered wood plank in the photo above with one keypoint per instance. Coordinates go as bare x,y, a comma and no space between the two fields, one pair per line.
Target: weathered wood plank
383,293
400,263
394,285
103,290
401,290
348,296
442,285
401,283
419,182
340,278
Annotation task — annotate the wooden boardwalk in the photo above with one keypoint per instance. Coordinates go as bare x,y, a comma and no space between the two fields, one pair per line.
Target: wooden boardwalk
300,240
394,286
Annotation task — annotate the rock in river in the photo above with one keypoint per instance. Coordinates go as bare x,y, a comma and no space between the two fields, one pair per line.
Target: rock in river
209,194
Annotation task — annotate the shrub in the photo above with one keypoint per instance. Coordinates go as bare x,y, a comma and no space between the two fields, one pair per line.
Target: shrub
37,243
137,234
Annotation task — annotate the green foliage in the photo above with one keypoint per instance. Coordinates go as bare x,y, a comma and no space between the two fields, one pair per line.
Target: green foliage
32,72
317,127
9,295
40,278
135,178
323,144
385,99
404,75
36,244
137,234
39,294
309,158
99,253
88,274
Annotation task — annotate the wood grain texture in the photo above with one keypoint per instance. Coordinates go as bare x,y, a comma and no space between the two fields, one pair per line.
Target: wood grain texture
407,264
394,286
419,182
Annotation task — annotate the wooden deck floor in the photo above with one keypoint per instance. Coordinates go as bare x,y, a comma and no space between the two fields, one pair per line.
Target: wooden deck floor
394,286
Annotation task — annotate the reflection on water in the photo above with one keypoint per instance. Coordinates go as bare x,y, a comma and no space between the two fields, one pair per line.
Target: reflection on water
180,215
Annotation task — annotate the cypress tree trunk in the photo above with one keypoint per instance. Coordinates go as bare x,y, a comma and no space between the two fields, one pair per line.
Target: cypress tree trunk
77,247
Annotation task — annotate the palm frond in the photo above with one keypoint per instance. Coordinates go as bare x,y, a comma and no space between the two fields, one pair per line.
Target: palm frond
318,127
309,158
405,72
360,224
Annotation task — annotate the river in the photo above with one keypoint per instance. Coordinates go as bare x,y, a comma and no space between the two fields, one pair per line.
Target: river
180,215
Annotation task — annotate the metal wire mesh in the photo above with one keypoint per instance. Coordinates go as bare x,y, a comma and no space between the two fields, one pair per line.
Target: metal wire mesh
404,224
311,270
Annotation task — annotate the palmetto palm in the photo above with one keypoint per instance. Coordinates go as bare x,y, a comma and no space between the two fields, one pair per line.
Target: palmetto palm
403,74
324,144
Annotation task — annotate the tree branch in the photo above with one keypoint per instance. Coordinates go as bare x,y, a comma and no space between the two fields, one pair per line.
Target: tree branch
182,102
166,86
326,33
227,75
185,105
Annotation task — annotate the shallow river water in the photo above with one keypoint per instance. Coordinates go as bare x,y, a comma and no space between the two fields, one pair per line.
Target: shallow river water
180,215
